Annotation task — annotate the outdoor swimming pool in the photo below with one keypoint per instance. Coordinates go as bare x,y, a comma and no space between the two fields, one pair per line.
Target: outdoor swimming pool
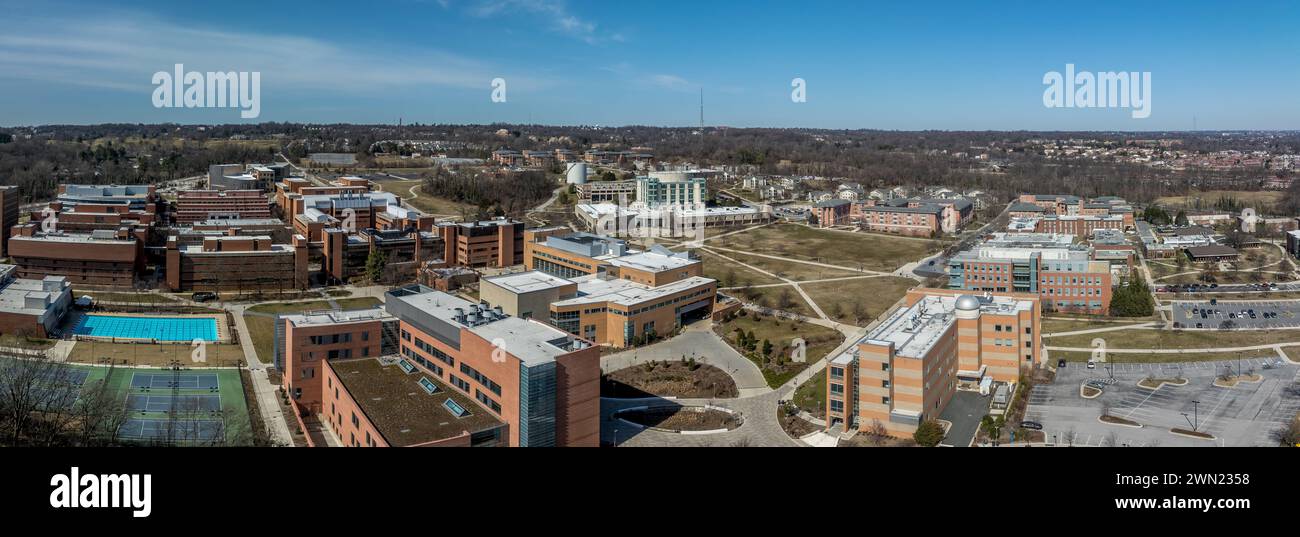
159,328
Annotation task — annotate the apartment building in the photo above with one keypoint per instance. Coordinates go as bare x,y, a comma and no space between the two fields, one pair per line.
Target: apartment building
1064,276
921,221
203,205
508,157
103,257
830,213
956,213
908,368
237,263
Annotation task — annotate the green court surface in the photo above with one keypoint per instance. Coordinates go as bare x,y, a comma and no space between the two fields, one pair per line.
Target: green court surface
148,395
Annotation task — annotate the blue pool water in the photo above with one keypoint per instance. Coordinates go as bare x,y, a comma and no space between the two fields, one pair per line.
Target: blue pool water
159,328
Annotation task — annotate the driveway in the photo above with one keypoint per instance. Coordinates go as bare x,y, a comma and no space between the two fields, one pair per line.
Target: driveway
964,411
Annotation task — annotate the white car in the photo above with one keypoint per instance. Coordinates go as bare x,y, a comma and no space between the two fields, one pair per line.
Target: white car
1092,364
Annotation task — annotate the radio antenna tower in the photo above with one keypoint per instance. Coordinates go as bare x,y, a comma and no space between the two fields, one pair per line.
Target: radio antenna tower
701,110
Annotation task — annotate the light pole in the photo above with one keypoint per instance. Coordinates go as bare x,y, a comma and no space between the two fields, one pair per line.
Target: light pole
1196,415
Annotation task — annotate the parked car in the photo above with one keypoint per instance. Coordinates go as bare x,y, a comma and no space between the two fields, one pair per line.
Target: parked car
1033,425
203,296
1060,363
1092,364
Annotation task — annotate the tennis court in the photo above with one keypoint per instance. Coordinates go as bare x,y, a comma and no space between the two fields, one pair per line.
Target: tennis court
164,403
147,328
183,381
182,430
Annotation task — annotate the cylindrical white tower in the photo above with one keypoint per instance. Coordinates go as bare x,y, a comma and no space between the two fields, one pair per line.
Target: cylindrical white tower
577,173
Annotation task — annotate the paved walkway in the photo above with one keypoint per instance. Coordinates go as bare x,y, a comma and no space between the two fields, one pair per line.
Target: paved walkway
267,399
760,427
1129,326
697,341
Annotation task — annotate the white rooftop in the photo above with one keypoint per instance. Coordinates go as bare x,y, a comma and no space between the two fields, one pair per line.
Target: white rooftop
916,329
337,317
652,261
528,282
530,341
592,289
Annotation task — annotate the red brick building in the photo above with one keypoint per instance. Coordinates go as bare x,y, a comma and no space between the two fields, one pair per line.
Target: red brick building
201,205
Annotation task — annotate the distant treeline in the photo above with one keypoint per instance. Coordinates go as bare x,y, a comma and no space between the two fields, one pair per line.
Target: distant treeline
871,157
37,167
504,194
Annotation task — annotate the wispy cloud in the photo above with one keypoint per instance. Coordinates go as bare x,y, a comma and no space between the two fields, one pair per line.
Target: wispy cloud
121,50
556,12
672,82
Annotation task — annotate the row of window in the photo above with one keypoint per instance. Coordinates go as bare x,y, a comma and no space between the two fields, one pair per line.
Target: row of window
638,311
481,378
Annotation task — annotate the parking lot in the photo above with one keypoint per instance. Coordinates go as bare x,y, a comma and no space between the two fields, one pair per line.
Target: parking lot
1228,288
1267,314
1243,415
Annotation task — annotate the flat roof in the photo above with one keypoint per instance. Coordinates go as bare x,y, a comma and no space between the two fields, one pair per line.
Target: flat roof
400,408
593,289
13,296
528,282
916,329
1212,250
530,341
61,236
652,262
328,317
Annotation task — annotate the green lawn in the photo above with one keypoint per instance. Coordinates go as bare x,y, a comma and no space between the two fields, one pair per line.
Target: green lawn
1140,338
858,250
778,368
811,396
785,269
858,301
261,328
1052,326
730,274
425,202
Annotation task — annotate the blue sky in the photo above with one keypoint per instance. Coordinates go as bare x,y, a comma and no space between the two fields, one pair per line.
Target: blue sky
897,65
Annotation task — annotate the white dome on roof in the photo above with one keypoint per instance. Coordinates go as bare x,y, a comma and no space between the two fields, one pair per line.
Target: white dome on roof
968,303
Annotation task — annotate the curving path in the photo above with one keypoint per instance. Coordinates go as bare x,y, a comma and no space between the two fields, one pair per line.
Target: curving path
696,341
